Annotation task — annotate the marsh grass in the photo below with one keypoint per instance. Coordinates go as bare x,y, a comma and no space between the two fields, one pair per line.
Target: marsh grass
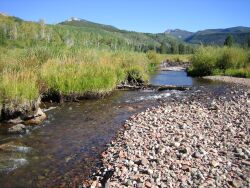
69,77
26,73
19,86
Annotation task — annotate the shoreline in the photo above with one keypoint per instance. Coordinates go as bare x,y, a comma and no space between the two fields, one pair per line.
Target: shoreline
31,113
229,79
199,140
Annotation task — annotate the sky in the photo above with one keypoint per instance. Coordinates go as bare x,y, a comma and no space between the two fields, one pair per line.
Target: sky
153,16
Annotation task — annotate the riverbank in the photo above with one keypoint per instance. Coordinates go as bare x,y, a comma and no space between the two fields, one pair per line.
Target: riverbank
69,74
201,139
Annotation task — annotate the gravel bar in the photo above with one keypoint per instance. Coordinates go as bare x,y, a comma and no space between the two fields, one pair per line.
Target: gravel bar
199,140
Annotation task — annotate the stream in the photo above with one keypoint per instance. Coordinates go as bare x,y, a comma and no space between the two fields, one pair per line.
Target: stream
66,148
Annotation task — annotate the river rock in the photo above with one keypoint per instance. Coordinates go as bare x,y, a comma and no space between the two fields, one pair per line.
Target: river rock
38,118
17,129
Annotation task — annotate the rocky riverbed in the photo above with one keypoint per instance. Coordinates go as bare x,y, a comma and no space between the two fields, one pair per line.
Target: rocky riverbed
199,140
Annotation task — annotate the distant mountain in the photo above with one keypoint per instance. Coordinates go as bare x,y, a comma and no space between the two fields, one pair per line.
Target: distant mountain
178,33
211,36
218,36
78,22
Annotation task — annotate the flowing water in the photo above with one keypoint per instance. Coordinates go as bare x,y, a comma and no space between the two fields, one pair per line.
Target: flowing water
66,148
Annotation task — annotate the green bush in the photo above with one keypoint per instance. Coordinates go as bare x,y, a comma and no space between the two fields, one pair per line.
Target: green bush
232,58
203,61
216,60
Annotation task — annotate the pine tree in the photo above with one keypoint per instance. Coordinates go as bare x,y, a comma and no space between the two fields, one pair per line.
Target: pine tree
229,41
181,48
248,42
163,48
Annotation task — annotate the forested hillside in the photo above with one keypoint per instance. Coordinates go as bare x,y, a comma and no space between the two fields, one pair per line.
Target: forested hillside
81,33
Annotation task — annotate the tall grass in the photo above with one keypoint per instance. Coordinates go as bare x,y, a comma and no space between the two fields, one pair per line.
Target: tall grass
69,77
220,60
19,86
25,73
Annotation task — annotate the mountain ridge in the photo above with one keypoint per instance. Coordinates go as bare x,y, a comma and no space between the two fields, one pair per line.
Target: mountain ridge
211,36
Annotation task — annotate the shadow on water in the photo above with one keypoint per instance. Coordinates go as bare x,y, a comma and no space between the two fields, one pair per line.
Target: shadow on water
66,148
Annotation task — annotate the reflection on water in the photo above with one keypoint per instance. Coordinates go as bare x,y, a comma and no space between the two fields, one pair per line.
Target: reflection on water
66,148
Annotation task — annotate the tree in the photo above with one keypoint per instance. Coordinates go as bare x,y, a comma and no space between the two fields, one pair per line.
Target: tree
229,41
2,36
13,31
68,39
174,48
42,28
248,42
181,48
163,48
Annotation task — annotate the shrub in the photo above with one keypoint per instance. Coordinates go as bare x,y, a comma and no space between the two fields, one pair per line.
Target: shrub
216,60
232,58
203,61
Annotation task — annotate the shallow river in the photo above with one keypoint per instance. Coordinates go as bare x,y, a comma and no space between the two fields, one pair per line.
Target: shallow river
66,148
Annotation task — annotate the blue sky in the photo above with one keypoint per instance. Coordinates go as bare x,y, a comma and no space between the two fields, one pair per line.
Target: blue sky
137,15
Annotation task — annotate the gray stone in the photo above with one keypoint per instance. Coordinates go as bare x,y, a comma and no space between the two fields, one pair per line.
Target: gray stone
17,129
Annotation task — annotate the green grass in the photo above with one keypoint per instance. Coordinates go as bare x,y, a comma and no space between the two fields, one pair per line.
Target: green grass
26,73
210,60
242,73
19,86
78,78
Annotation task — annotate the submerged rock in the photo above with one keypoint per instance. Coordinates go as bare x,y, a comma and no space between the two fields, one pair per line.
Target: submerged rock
17,129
